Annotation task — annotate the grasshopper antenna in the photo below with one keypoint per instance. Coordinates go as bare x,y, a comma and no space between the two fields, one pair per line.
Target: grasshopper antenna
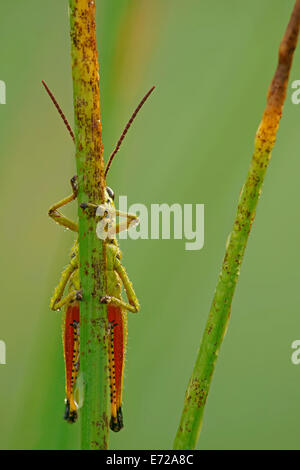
59,110
117,147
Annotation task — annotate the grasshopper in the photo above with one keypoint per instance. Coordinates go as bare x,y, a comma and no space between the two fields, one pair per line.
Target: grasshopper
68,293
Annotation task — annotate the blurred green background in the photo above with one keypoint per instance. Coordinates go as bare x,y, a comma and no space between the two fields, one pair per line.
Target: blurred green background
212,63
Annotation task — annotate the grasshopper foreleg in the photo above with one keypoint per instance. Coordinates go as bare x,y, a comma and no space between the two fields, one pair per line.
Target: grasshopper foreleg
60,218
110,215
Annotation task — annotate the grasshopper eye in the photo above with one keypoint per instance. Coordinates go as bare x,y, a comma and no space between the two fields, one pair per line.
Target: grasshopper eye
110,192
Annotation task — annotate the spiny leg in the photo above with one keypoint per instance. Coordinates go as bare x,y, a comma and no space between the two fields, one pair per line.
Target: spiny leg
60,218
71,340
57,301
131,220
113,228
110,215
71,297
133,305
116,424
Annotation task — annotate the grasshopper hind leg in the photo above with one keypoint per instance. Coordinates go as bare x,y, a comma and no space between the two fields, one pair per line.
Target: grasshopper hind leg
116,423
71,414
58,216
116,420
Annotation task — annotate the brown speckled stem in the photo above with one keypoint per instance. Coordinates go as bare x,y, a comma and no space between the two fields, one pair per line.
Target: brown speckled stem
199,384
90,171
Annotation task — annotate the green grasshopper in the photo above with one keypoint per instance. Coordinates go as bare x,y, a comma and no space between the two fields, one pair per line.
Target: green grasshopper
116,278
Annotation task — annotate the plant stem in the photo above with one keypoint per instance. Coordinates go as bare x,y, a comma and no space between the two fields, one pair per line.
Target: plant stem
90,172
199,384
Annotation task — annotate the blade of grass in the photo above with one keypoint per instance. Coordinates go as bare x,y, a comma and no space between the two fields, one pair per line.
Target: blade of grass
199,384
90,172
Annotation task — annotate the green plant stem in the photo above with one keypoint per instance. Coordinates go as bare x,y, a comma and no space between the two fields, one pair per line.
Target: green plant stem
90,172
199,384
